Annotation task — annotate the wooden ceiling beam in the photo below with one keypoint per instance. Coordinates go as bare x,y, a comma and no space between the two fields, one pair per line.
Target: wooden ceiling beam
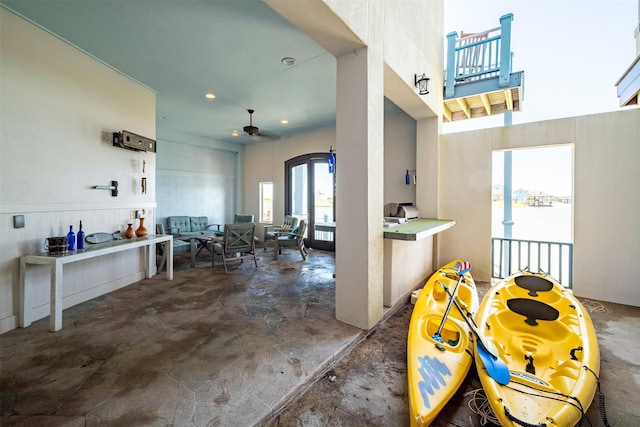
462,102
508,99
485,101
446,112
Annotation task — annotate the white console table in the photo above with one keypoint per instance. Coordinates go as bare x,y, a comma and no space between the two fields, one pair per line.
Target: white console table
56,262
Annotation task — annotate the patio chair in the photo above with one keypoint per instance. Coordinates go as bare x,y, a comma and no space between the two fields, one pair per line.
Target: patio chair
242,218
237,244
179,246
288,223
292,239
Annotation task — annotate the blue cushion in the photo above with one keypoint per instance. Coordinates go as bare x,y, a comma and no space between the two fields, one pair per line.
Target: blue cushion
199,223
183,223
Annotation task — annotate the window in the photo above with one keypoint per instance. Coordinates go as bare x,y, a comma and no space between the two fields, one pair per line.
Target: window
266,202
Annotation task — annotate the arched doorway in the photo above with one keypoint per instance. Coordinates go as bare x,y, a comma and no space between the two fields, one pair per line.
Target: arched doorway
310,195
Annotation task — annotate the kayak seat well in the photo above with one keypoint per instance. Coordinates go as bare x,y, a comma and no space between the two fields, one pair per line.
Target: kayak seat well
564,377
511,323
551,357
449,334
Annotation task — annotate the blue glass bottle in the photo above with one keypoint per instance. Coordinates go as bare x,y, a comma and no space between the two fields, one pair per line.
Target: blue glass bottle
71,239
80,237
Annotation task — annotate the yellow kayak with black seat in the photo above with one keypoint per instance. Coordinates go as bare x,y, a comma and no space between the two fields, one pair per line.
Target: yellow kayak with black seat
547,340
439,348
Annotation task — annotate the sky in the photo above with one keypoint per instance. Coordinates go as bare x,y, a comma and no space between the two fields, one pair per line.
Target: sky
572,52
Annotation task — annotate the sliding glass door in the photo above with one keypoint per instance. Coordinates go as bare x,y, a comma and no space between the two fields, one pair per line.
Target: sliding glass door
310,195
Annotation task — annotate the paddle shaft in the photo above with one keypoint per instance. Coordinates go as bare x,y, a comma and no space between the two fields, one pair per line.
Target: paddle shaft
495,366
489,347
446,312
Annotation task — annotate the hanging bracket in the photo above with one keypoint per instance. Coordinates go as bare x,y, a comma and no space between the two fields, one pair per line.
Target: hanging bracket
113,187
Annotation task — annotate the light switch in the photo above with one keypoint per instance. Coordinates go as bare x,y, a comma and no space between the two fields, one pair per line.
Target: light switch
18,221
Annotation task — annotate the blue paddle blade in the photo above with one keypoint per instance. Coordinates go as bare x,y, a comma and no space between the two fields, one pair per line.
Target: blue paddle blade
496,368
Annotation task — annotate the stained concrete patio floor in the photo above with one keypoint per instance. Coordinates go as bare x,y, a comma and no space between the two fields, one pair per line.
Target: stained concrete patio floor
252,347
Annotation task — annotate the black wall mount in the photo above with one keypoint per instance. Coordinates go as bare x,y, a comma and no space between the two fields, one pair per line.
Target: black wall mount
131,141
113,187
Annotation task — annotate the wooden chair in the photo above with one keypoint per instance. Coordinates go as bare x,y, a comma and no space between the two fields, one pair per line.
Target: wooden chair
292,239
242,218
179,246
237,244
288,223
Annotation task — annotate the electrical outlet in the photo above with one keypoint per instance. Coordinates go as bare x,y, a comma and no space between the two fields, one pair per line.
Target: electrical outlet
132,215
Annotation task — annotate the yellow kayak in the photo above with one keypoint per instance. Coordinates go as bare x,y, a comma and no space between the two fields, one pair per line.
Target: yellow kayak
547,340
438,363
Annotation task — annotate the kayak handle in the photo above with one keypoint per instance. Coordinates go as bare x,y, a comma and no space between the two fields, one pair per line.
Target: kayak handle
520,422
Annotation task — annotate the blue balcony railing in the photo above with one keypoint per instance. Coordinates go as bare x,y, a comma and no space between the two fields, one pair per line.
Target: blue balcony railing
479,56
508,256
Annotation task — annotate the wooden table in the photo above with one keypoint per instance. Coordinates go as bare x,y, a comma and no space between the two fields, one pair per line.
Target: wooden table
195,250
56,263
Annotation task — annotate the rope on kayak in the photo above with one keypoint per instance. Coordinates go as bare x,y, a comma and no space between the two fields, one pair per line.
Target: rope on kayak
567,399
479,405
603,412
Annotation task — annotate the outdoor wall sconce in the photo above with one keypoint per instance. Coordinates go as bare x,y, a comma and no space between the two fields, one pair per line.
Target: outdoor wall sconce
113,187
407,177
422,83
332,160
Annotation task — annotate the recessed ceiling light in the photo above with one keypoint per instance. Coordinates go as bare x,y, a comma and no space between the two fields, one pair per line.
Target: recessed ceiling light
234,133
284,121
288,61
210,96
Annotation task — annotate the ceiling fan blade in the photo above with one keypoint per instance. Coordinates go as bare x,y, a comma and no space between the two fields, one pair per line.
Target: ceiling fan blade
270,136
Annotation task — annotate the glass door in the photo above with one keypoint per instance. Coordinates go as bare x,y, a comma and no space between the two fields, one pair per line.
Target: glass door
310,195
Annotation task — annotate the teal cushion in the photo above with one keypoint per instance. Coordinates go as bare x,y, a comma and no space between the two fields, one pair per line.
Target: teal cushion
175,223
199,223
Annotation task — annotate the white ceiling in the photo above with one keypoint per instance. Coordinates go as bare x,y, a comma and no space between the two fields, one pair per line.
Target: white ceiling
183,49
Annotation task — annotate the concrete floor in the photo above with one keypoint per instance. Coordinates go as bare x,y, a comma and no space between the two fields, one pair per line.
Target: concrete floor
252,347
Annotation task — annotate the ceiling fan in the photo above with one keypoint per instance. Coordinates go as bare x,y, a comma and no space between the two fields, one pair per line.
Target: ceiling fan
255,133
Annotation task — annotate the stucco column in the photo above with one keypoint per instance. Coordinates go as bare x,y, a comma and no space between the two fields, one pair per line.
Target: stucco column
427,151
359,188
427,181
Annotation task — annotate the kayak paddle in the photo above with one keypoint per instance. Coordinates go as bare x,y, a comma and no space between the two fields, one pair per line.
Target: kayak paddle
463,267
487,350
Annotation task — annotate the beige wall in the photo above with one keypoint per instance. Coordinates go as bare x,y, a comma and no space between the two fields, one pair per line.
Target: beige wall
606,198
59,108
264,162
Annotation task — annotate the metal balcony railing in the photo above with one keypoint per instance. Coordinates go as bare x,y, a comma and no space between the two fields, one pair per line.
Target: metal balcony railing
479,56
508,256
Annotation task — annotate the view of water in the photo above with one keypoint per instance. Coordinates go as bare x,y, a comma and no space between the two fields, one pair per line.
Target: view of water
548,224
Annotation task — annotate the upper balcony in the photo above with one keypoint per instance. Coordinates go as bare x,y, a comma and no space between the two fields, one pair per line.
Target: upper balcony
479,80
